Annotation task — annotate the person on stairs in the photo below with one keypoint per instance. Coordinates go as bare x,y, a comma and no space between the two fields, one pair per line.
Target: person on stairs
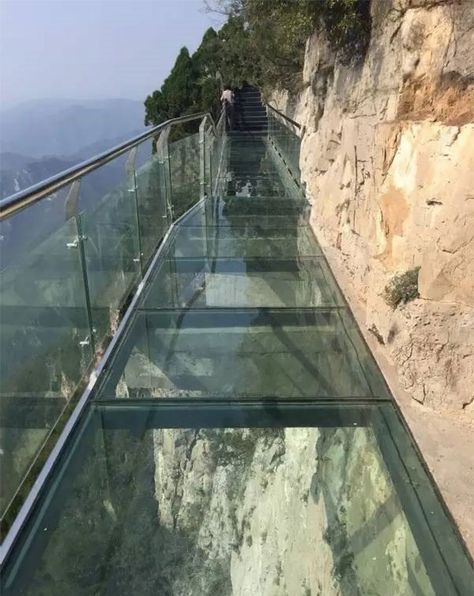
227,99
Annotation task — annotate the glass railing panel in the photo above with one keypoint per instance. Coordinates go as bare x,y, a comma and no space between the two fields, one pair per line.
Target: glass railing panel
45,341
190,500
153,217
184,164
286,141
250,353
70,263
217,155
221,140
111,243
241,283
210,168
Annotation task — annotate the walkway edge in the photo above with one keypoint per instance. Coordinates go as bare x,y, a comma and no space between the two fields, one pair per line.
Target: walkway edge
445,469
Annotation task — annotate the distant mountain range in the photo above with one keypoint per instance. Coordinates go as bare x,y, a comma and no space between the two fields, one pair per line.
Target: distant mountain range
39,139
26,171
62,127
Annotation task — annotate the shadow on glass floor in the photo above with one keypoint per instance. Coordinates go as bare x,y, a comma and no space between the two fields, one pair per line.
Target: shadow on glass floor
261,213
250,353
252,241
241,282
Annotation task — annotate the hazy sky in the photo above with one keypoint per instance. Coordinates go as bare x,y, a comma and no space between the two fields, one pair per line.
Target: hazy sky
93,48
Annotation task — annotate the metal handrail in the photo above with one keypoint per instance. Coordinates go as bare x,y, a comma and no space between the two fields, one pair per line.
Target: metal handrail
35,193
283,115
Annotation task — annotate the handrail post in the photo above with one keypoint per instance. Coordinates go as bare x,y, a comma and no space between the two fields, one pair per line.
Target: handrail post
269,120
219,149
130,171
202,157
71,205
162,150
211,148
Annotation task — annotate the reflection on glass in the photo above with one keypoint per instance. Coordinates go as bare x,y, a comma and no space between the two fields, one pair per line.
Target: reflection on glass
45,342
252,217
151,203
184,158
287,143
246,241
250,171
112,245
249,282
248,353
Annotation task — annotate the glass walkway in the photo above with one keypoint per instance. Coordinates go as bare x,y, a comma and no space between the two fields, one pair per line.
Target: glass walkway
239,438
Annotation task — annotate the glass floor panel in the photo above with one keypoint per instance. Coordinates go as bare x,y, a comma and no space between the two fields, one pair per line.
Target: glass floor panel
227,207
242,173
251,353
248,241
242,167
25,424
282,200
241,439
243,282
253,186
244,499
202,216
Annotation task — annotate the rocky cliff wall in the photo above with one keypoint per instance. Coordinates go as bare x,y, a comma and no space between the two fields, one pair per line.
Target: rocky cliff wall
388,159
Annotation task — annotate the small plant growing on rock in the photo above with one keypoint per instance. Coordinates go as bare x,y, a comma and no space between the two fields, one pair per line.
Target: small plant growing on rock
402,288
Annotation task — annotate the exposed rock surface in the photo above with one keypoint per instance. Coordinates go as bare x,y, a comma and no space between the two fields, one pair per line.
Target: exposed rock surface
388,159
254,500
232,511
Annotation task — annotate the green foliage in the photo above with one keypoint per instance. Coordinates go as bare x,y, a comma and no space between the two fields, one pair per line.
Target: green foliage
347,24
178,94
402,288
192,85
261,43
233,447
276,33
279,30
239,62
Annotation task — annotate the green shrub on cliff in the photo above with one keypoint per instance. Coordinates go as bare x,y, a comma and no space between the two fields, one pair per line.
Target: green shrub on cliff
402,288
347,25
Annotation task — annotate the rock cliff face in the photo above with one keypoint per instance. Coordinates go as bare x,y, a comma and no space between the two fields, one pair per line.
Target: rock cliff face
301,511
388,159
228,512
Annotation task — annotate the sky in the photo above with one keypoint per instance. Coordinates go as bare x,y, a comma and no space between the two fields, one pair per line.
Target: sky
93,49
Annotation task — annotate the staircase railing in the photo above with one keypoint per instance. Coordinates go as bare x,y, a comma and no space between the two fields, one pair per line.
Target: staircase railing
74,250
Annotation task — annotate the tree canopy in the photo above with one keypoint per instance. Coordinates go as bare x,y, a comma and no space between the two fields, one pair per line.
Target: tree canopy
262,43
